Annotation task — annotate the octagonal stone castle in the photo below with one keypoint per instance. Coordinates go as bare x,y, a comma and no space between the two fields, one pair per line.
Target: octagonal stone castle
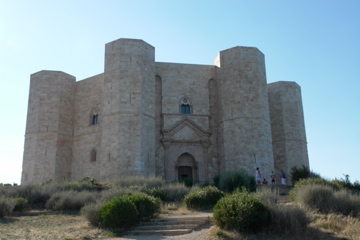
146,118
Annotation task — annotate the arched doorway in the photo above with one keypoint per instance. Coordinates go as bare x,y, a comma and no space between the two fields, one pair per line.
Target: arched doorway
186,167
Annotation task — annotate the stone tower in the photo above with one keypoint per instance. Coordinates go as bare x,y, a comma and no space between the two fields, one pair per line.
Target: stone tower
49,128
288,126
244,125
128,110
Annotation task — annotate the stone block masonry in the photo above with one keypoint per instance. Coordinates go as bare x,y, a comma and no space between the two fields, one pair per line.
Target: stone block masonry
172,120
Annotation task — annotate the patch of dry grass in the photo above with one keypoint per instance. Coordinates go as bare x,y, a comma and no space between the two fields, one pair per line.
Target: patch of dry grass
49,225
174,208
337,225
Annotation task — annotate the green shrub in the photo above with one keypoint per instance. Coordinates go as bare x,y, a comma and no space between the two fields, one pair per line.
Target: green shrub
6,206
155,192
216,180
241,212
21,204
71,200
298,173
146,205
229,181
203,198
188,182
120,212
117,191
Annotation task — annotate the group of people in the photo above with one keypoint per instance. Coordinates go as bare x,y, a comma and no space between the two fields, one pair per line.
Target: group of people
260,181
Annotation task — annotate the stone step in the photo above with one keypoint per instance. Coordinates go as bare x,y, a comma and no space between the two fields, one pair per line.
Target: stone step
161,232
167,226
170,225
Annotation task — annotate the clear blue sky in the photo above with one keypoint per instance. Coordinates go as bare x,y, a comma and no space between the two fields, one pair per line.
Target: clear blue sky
314,43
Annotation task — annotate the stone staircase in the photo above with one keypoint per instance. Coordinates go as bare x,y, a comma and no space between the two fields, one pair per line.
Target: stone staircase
172,225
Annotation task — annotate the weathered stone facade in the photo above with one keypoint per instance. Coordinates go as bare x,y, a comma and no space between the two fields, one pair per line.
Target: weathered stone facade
147,118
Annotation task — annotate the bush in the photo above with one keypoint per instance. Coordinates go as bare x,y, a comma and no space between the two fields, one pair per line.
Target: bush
298,173
139,181
288,220
116,191
175,192
6,206
188,182
268,196
91,212
155,192
146,205
316,196
229,181
325,199
203,198
36,195
241,212
21,204
346,203
71,200
120,212
311,181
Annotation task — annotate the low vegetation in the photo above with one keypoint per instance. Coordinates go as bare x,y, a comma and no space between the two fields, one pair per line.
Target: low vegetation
242,212
314,209
229,181
203,198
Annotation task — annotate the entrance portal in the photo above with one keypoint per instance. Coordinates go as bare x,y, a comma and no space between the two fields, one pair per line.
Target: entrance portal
185,172
186,167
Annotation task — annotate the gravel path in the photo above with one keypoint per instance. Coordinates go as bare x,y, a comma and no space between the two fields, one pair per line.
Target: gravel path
202,233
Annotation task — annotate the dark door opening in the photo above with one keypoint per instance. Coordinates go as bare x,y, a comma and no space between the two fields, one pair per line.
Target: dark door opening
185,172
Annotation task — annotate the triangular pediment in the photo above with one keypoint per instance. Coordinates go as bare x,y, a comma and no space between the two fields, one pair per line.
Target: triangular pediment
186,129
186,133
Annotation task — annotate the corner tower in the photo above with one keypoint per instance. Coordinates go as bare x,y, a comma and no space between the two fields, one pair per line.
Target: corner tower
244,122
288,126
128,135
49,127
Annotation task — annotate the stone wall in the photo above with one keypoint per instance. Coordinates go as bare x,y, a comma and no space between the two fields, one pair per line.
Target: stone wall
87,136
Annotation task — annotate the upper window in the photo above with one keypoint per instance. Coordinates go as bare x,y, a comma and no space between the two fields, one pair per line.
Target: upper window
93,155
95,119
185,106
95,116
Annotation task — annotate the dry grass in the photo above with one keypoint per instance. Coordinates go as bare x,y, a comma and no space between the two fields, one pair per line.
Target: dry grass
345,227
174,208
55,225
49,225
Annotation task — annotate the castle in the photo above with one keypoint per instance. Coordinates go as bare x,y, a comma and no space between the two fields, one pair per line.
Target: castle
145,118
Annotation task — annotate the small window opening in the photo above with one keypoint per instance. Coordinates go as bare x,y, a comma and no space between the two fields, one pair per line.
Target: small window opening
93,155
185,107
94,116
95,119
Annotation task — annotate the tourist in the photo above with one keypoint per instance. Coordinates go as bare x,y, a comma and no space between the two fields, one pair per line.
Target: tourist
283,178
258,176
272,176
